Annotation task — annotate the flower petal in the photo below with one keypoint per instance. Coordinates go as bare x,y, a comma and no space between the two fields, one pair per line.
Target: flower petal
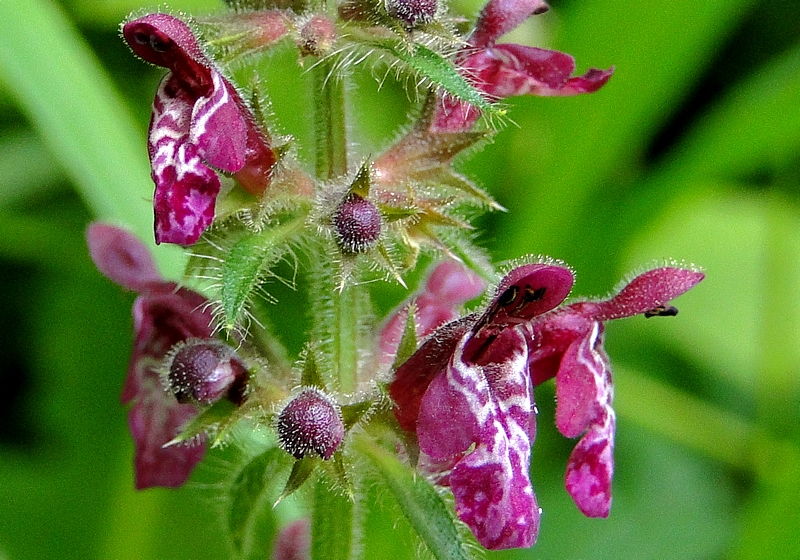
186,188
489,406
584,393
219,128
648,291
121,257
155,419
507,70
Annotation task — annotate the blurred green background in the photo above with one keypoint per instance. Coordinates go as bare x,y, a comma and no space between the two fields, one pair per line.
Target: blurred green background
692,152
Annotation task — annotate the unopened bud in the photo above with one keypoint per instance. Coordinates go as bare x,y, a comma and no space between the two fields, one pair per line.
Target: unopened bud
317,36
205,371
356,224
311,424
412,12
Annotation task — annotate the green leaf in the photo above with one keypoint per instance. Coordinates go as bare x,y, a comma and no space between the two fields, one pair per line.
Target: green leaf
333,523
421,504
244,266
311,376
82,121
439,71
253,489
301,470
213,418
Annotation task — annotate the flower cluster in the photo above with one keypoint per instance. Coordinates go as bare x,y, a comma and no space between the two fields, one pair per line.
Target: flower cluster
455,389
467,394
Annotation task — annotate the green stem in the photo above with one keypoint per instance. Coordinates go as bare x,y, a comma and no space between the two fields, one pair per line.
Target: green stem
346,337
329,122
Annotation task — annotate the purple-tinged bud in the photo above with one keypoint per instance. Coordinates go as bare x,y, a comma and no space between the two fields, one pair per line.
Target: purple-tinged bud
356,224
205,371
412,12
311,424
317,36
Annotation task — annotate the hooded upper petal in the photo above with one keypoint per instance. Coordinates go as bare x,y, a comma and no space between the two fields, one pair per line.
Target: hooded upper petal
199,122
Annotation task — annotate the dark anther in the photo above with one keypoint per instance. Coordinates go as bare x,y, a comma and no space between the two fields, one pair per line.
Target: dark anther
508,297
141,38
662,311
533,295
158,44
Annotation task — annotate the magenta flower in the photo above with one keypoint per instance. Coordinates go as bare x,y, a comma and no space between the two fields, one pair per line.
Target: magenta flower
199,121
468,385
568,345
506,70
163,316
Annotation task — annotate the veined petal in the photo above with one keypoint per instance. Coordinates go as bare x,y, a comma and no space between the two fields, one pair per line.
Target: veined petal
218,127
584,394
489,406
186,188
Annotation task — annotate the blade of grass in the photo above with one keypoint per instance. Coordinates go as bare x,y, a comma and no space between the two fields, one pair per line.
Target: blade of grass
66,94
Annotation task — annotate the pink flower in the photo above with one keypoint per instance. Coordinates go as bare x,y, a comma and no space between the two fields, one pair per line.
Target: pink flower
467,395
506,70
163,315
568,345
199,121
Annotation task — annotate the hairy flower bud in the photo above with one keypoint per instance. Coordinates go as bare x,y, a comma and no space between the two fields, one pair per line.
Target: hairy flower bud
412,12
356,224
205,371
317,36
311,424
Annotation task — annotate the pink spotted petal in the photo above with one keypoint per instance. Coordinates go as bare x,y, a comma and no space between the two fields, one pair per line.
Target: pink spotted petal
120,256
590,468
186,188
489,406
647,291
581,385
155,419
584,394
219,128
499,17
412,379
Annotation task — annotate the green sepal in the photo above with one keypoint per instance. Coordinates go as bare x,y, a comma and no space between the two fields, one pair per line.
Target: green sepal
254,488
408,341
456,180
439,71
426,511
214,419
362,181
301,471
352,413
311,376
244,266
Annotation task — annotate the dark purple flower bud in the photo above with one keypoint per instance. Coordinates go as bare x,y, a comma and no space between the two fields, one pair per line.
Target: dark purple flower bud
311,424
205,371
356,224
412,12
